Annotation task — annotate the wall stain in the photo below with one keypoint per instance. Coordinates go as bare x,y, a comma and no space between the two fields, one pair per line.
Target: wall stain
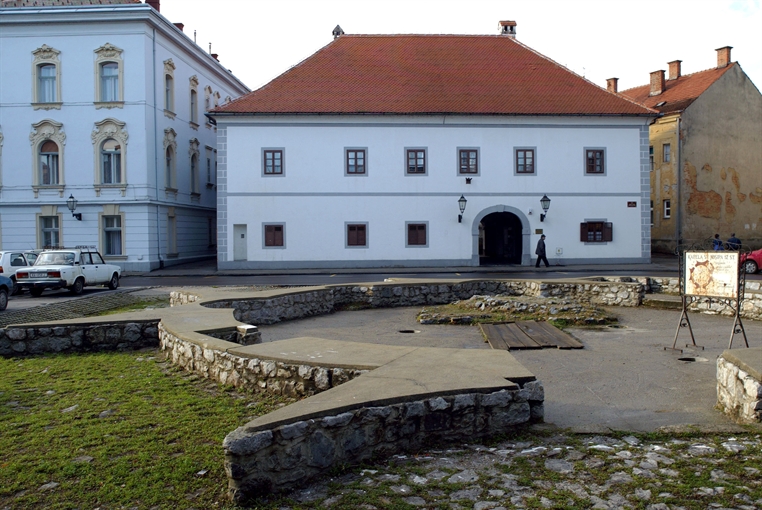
707,204
741,197
730,210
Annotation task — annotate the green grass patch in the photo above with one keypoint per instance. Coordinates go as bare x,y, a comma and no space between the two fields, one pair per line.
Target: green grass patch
142,304
115,430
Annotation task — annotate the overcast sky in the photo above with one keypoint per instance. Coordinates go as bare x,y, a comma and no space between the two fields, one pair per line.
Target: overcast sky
599,39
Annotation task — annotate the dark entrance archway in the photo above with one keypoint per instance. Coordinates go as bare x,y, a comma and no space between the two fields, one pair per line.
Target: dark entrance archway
500,239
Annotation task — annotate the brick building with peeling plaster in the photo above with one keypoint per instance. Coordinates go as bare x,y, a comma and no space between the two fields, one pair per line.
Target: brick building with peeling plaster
710,179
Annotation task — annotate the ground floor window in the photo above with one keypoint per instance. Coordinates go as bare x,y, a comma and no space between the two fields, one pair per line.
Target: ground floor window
273,236
112,235
50,232
596,232
357,234
416,234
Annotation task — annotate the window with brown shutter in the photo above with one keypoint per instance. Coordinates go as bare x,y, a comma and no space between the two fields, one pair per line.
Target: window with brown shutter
273,235
357,234
416,234
596,232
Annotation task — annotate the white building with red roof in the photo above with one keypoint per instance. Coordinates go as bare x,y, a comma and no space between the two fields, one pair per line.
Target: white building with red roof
363,154
103,102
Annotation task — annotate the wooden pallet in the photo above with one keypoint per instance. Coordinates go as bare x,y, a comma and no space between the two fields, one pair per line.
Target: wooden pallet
527,335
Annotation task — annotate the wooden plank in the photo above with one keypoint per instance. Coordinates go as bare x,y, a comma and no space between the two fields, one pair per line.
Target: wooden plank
562,339
516,338
537,334
492,335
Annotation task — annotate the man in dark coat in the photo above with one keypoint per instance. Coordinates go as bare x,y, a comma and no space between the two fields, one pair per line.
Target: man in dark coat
734,243
540,252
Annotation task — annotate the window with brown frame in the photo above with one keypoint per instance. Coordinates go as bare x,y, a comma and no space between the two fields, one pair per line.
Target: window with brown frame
469,161
355,161
356,235
594,161
273,162
273,235
416,234
416,161
524,161
596,232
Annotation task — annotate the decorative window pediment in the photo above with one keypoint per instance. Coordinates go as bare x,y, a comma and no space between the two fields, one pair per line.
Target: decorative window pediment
109,77
46,78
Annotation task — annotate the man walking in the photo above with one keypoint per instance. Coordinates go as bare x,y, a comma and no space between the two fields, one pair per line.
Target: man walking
734,243
540,252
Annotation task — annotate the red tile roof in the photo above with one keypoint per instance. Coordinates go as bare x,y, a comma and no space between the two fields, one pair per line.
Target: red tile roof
678,93
430,74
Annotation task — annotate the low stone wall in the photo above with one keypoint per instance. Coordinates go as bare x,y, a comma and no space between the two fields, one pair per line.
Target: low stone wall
739,393
306,303
258,462
217,364
78,337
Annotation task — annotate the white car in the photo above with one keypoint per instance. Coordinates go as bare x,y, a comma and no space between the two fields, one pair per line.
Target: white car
11,261
72,269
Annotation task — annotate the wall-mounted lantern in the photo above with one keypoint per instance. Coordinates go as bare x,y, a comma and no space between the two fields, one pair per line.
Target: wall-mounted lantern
71,203
462,206
545,203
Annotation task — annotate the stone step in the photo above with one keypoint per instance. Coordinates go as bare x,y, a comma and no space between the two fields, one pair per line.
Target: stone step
668,301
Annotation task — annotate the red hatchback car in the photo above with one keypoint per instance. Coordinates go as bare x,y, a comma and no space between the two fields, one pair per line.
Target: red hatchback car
752,261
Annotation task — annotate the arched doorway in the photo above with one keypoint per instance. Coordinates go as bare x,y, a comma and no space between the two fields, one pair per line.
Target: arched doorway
500,239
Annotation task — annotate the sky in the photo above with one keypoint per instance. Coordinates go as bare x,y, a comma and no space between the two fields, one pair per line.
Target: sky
598,39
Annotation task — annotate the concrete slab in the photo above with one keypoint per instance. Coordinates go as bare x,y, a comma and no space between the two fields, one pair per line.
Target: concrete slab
748,360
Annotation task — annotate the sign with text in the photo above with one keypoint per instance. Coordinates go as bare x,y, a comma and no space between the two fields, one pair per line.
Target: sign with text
711,274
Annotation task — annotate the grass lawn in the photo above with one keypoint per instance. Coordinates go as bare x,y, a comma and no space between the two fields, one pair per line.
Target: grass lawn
115,430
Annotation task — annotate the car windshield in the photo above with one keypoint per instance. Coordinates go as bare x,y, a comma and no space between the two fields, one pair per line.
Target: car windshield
50,258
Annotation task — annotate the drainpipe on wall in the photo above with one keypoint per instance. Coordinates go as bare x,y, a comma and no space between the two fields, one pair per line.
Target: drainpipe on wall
679,219
156,154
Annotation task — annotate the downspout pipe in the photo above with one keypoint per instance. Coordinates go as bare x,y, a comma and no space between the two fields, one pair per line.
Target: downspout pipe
156,153
679,218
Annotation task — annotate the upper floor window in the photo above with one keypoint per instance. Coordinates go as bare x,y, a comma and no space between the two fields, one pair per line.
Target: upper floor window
169,167
109,76
667,209
46,84
416,161
667,153
169,93
273,161
194,173
595,161
109,82
194,106
651,157
468,161
111,162
49,174
525,161
47,78
170,160
356,161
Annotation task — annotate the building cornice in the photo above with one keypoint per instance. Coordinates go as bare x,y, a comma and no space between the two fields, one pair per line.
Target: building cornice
19,16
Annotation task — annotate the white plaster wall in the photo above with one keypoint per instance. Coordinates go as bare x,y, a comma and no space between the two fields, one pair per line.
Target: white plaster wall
145,230
315,199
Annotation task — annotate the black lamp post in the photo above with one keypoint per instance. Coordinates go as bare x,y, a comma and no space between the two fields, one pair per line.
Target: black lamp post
462,205
71,203
545,203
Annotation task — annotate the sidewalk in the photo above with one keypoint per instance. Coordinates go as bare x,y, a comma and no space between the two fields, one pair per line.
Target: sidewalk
659,263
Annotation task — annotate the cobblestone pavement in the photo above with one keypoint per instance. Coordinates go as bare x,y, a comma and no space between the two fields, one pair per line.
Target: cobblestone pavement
72,309
549,470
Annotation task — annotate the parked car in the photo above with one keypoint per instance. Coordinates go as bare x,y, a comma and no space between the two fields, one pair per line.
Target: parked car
6,287
752,261
69,268
11,261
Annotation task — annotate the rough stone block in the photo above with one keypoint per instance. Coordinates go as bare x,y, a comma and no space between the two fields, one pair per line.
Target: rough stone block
340,420
242,443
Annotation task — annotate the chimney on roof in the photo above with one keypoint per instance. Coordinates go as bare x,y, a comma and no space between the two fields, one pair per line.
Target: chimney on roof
723,56
674,69
612,85
657,83
507,28
180,26
154,4
337,32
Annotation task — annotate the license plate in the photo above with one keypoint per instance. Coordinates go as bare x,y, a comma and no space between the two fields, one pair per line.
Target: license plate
38,275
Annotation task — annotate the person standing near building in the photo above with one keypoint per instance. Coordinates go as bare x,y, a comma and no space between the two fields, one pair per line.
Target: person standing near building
540,252
733,242
717,243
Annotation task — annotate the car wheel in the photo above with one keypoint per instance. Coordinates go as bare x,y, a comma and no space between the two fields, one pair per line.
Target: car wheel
76,289
3,299
16,289
113,283
750,266
35,292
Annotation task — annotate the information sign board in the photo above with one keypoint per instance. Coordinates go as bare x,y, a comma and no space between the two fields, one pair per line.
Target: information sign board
711,274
